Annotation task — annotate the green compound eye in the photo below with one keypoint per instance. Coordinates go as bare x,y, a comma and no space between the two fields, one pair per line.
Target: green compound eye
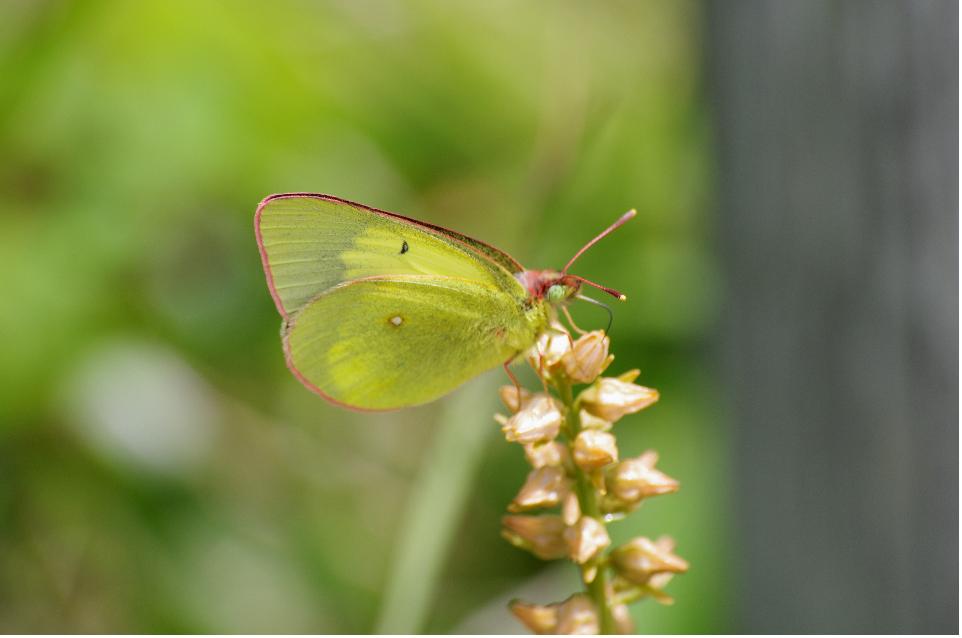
557,293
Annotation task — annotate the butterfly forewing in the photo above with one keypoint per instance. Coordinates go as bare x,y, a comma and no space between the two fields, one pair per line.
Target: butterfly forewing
311,243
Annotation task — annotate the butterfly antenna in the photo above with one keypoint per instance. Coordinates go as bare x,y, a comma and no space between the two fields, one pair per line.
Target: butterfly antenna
604,233
611,315
611,291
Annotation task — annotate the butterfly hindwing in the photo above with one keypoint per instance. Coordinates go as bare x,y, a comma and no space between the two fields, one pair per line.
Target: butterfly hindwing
385,343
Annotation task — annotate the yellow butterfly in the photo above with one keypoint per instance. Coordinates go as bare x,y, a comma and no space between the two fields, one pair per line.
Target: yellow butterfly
383,312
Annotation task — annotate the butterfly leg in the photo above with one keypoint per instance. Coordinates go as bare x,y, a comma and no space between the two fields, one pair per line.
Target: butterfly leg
571,320
514,379
541,374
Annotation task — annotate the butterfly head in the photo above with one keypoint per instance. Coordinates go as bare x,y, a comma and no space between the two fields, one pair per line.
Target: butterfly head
557,288
562,289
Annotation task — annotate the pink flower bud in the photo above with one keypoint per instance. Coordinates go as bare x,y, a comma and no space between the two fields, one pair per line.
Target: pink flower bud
636,478
577,616
547,454
594,450
587,358
570,509
509,396
641,558
585,539
544,487
623,621
591,422
539,420
540,535
549,349
611,398
541,619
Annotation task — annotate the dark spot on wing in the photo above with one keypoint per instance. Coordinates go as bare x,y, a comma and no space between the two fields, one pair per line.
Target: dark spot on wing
404,247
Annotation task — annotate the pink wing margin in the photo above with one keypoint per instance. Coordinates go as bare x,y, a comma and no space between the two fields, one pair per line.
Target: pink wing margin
310,386
483,249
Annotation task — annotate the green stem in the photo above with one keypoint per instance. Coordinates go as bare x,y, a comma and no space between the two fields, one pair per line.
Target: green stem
435,506
588,502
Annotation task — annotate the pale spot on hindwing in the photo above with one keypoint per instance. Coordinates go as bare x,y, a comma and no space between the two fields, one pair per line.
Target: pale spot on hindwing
396,320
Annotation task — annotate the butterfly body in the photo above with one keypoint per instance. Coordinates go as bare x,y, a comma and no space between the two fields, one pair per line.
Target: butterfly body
382,311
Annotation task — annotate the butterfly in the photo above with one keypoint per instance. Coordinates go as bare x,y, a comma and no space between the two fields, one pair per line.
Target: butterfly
381,311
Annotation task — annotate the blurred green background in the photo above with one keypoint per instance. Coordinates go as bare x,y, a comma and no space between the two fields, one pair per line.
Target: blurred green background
160,469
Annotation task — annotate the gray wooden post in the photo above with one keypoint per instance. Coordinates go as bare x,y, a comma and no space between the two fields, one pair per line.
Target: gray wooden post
837,136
